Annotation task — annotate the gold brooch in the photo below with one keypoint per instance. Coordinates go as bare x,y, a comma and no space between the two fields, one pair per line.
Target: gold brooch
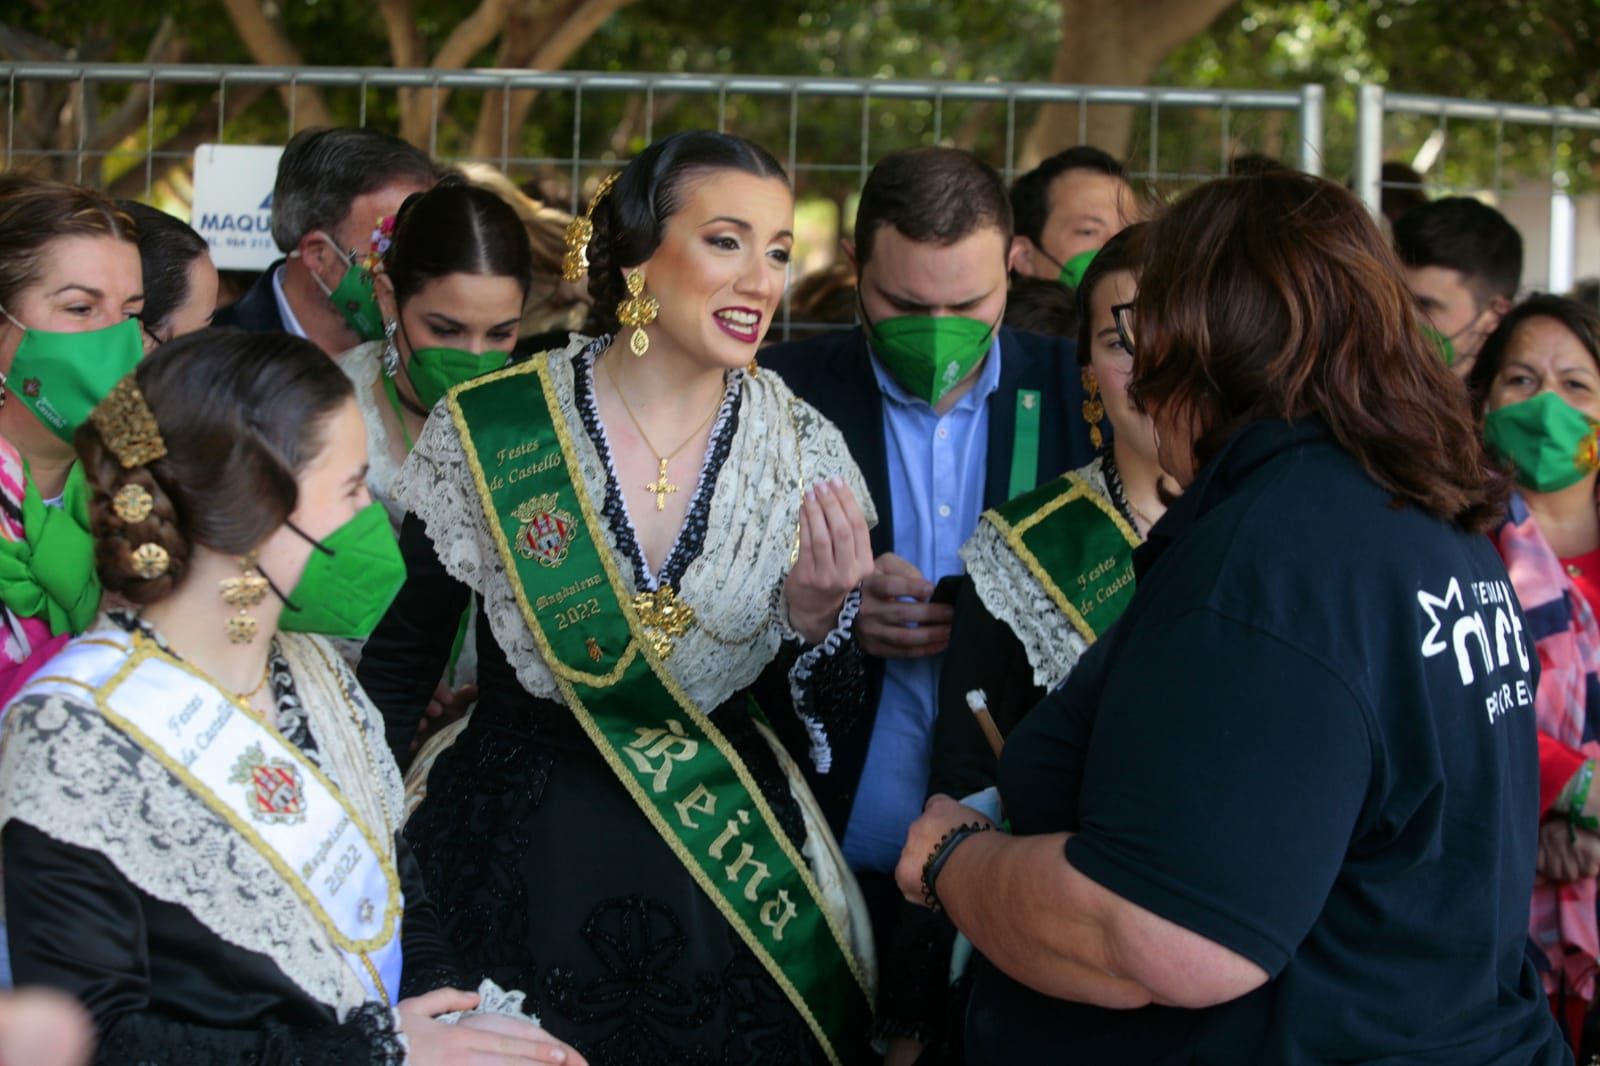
150,560
666,618
133,504
128,426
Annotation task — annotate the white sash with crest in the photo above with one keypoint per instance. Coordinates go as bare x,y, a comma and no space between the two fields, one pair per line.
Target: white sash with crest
338,862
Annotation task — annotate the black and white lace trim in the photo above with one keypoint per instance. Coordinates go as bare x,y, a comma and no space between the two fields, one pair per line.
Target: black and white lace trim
691,538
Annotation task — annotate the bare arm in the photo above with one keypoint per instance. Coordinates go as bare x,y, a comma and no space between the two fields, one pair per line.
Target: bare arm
1057,931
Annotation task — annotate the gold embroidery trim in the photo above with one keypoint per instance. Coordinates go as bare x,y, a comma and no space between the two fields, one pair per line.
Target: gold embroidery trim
1013,535
145,650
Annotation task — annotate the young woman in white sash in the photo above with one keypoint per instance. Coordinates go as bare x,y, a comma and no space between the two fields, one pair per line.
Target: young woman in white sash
199,812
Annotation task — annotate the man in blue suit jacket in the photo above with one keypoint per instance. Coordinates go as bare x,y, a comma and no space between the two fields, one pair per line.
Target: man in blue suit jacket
333,186
947,413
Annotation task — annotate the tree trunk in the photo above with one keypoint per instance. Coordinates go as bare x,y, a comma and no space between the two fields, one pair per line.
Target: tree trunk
1110,42
546,36
270,47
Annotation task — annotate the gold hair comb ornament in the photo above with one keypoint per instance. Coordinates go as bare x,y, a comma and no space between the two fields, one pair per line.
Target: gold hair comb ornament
150,560
580,231
133,504
128,426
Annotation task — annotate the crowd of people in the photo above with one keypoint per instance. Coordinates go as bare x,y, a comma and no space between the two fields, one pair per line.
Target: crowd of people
1148,634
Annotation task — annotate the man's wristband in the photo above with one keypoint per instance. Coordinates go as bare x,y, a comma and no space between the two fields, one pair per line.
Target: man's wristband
941,854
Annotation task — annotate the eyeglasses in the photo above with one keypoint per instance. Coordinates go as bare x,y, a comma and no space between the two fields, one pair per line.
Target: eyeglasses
1122,316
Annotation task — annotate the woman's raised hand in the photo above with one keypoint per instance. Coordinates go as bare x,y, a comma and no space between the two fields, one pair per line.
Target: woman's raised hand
835,557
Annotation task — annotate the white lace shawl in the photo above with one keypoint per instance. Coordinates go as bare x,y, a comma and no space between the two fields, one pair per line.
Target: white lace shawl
1015,597
363,365
69,773
781,445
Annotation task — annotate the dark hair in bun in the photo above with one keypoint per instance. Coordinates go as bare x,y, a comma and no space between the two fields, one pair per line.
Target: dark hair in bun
456,228
241,415
629,220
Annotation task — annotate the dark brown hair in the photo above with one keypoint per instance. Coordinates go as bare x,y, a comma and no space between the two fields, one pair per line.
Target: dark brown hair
1581,320
1275,296
35,212
631,219
241,414
1120,253
934,196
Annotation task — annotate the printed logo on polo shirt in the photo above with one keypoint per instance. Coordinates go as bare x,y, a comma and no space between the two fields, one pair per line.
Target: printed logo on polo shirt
1486,634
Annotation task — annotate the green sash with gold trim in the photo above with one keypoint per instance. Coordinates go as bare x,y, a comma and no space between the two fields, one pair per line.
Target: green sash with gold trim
1076,545
674,762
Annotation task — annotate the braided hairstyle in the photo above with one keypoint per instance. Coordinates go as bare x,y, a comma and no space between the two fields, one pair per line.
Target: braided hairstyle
630,219
241,415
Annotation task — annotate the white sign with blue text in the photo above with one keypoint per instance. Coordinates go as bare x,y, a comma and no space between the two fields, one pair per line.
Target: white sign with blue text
233,203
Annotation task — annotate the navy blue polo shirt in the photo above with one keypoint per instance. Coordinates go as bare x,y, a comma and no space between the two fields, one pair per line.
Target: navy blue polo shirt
1310,739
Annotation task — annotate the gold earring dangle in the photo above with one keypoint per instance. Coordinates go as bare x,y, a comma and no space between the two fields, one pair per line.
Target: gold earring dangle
1093,409
245,591
638,311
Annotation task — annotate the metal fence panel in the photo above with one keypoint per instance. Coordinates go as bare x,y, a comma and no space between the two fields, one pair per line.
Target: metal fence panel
1538,165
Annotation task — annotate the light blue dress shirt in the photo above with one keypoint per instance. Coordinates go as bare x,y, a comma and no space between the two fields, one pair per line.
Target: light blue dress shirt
937,467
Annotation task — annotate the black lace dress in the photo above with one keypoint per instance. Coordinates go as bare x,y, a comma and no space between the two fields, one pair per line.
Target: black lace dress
546,875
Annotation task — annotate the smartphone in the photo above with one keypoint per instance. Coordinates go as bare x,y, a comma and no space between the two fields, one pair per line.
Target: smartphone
945,591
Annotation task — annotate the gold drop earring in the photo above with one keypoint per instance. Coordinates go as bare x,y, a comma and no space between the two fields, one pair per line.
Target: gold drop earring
1093,409
638,311
246,590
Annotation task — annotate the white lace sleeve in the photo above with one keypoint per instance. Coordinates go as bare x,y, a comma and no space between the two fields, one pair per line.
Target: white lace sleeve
1015,597
437,485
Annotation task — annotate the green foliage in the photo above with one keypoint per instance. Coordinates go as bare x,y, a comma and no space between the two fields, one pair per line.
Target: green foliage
1522,51
1536,51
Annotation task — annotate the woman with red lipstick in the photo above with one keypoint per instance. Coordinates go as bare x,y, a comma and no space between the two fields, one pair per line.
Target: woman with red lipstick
666,546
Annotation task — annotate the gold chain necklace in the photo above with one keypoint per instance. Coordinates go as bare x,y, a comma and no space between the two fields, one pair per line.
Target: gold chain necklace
660,486
266,673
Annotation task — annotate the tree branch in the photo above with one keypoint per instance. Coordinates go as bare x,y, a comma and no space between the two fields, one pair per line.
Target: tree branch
549,51
269,46
165,47
472,34
200,128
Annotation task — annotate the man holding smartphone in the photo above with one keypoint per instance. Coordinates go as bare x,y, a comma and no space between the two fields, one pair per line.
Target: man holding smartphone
947,412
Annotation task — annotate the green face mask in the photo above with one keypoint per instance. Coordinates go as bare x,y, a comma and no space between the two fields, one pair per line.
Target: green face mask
349,581
353,297
1446,347
927,355
60,377
435,371
1073,269
1550,444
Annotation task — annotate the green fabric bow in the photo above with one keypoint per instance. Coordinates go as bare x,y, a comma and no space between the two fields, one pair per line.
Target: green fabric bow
50,573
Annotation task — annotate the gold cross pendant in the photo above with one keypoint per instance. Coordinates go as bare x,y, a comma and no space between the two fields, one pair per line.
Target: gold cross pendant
661,486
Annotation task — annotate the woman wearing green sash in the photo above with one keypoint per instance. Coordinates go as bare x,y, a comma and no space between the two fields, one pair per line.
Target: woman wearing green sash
200,817
70,291
1049,570
656,532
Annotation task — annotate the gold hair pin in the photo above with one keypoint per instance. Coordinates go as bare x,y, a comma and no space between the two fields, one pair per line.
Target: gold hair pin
150,560
133,504
580,231
128,426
